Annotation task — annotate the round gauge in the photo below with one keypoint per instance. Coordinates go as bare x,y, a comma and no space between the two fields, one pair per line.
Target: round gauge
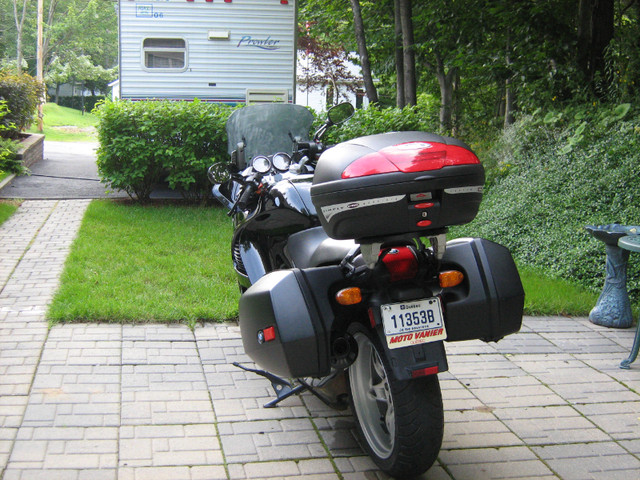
281,161
261,164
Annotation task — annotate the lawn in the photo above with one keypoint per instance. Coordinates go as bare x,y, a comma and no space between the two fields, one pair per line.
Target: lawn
62,124
169,263
7,207
134,263
550,296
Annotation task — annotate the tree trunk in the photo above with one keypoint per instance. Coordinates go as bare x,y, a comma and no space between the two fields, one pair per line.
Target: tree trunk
595,31
19,29
369,87
408,53
400,101
509,94
447,82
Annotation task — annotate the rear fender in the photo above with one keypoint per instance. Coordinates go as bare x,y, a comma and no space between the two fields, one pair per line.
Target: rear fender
426,357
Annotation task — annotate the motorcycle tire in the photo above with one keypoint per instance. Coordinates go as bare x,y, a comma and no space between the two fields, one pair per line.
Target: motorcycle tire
400,423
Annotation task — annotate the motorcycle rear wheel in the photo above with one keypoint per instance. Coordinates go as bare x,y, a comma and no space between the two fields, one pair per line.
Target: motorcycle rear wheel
400,423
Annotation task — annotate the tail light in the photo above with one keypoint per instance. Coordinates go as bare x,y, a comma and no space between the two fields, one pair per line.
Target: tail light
410,157
401,262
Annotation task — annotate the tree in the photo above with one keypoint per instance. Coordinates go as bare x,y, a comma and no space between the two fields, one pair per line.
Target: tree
19,15
595,32
324,65
358,25
408,56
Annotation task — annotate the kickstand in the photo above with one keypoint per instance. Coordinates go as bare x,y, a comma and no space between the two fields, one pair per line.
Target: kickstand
282,388
286,389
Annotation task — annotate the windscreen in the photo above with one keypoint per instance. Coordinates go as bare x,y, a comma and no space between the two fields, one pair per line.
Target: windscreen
268,128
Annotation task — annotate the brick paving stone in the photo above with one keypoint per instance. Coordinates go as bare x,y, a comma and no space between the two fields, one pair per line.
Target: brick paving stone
169,445
7,438
533,395
165,407
74,395
151,332
145,352
12,408
620,420
589,461
592,392
209,472
578,342
270,440
557,324
475,429
464,367
495,463
549,425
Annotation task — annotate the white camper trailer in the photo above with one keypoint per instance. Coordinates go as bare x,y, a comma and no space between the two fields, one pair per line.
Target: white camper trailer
231,51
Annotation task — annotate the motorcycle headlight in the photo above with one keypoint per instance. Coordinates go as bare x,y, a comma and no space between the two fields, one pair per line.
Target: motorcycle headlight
281,161
261,164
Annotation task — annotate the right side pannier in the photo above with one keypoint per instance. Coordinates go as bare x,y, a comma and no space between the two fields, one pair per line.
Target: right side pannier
489,303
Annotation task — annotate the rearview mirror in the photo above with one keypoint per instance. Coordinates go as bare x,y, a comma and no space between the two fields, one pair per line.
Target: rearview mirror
219,173
340,113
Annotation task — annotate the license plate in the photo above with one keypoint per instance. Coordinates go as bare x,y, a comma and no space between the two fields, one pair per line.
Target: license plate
413,323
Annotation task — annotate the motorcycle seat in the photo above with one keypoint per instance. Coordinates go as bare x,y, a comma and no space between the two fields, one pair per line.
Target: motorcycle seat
313,248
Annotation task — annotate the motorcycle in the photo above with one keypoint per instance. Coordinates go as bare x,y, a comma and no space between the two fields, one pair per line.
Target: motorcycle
341,295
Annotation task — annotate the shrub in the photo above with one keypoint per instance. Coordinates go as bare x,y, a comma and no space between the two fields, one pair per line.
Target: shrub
8,160
143,143
21,94
380,120
554,174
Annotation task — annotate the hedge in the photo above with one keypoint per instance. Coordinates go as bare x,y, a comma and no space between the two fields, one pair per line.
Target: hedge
21,93
145,143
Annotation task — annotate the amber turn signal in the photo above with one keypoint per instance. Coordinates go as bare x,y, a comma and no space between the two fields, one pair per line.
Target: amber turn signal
349,296
450,278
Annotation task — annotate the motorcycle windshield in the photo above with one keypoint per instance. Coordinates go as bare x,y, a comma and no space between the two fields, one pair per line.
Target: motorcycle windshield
268,128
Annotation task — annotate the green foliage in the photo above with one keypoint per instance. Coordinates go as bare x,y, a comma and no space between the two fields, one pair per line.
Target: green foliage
8,161
21,93
552,174
143,143
374,120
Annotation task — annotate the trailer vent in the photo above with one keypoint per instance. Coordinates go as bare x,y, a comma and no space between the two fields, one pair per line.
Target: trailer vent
267,96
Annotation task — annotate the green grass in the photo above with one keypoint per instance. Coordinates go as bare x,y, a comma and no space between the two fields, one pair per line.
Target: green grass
62,124
169,263
134,263
7,207
551,296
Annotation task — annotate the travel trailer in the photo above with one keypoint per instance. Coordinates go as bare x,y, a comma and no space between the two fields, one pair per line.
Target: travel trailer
230,51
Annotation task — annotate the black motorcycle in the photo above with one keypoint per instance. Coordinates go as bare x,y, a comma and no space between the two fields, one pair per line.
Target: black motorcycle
339,285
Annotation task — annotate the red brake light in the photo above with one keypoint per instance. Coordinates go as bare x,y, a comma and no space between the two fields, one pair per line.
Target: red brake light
401,263
410,157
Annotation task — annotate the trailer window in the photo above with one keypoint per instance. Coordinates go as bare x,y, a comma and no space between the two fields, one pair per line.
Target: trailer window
165,53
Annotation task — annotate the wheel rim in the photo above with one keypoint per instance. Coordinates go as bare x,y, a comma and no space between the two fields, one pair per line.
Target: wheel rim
372,399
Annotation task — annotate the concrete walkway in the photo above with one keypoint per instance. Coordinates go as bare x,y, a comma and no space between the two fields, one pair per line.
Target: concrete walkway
163,402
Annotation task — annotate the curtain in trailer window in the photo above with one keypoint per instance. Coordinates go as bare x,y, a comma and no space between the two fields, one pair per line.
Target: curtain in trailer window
165,53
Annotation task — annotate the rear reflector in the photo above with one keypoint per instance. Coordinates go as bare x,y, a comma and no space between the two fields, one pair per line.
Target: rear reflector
423,372
410,157
269,334
401,262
